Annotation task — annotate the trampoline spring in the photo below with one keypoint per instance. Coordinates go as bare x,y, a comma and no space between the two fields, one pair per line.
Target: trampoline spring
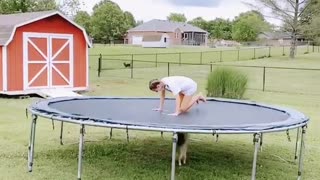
110,133
52,123
27,113
288,136
127,131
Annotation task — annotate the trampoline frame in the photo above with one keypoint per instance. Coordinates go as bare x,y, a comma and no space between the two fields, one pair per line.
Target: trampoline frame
257,135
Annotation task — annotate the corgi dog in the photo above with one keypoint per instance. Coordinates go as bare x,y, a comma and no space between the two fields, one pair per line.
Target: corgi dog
127,64
182,144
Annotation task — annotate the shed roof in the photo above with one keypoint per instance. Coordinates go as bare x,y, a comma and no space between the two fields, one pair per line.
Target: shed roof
10,22
166,26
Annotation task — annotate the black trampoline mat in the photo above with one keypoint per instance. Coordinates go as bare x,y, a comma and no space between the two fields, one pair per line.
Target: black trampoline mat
213,114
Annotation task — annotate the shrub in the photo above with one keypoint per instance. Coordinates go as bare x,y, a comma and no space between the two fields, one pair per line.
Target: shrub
226,83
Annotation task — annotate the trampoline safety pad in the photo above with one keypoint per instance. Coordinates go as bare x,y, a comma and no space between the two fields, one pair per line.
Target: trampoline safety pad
216,114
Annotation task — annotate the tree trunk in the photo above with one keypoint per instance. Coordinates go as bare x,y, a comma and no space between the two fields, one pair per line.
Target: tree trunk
293,45
294,30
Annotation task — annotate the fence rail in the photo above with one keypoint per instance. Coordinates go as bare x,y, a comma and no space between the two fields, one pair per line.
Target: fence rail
203,57
264,77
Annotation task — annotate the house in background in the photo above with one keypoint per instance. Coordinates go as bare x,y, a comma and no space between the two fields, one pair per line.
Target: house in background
163,33
279,39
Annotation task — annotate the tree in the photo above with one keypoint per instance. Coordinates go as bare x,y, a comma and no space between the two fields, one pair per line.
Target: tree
131,22
288,11
108,22
199,22
69,7
248,25
83,19
139,22
176,17
13,6
310,21
220,29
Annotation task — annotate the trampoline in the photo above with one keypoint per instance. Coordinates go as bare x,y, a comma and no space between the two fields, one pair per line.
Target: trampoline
216,116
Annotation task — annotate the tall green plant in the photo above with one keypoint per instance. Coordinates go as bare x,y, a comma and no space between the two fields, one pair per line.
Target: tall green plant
227,83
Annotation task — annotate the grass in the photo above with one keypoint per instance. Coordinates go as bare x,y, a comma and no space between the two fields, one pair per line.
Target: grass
147,155
226,82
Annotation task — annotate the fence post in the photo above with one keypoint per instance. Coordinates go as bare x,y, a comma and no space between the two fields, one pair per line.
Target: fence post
264,78
312,47
131,66
99,64
200,57
156,60
269,51
220,56
210,66
168,68
283,51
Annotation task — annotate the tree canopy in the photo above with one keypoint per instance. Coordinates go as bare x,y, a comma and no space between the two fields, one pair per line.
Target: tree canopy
177,17
13,6
109,22
248,25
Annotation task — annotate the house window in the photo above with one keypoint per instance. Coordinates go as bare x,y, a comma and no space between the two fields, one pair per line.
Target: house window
177,35
165,39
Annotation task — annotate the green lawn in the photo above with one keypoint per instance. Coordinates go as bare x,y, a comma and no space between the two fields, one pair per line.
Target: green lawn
147,155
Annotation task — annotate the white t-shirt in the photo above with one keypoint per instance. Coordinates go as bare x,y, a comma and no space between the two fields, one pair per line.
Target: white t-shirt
177,84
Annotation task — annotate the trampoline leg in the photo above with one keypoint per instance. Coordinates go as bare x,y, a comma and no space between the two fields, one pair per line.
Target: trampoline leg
301,152
31,142
256,139
61,132
261,141
80,155
297,140
174,148
110,133
127,131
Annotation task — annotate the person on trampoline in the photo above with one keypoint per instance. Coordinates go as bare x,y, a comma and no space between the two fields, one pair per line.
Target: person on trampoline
182,88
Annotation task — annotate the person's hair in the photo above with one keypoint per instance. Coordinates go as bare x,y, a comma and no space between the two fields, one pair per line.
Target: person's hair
153,83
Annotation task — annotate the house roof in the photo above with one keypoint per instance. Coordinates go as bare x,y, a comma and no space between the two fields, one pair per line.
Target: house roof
166,26
10,22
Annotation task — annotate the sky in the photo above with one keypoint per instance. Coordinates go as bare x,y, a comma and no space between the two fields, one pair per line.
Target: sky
159,9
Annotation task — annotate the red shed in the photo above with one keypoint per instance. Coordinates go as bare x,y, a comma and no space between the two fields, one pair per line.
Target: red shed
42,50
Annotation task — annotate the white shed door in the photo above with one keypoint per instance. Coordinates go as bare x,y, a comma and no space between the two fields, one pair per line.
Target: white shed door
48,60
137,40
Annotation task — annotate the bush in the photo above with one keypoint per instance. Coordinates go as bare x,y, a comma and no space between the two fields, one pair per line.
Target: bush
226,83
